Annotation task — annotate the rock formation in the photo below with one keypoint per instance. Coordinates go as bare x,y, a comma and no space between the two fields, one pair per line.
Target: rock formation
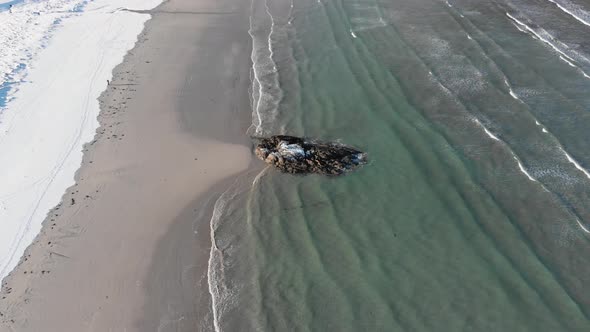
298,156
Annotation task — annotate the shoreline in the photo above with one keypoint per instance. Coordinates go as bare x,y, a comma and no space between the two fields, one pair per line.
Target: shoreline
98,251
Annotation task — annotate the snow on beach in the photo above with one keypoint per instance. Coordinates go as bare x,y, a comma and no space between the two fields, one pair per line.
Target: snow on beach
56,57
24,31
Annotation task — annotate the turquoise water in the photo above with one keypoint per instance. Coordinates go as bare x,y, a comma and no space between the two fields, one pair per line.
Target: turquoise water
6,5
473,212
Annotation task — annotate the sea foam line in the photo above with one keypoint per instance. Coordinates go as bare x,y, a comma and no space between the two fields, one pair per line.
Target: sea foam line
510,91
563,56
575,163
569,12
220,295
582,226
529,29
272,28
522,169
494,137
525,172
264,97
544,130
215,265
215,262
520,29
520,166
490,134
270,56
254,71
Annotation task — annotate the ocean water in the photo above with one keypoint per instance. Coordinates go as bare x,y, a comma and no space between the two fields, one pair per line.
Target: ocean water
5,4
473,213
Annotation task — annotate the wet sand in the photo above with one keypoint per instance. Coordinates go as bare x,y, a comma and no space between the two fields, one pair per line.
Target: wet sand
127,248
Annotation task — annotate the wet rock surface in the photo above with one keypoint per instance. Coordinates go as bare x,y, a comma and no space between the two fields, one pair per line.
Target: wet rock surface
296,155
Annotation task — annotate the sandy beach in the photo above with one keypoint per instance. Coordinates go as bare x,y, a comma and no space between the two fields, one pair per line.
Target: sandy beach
127,248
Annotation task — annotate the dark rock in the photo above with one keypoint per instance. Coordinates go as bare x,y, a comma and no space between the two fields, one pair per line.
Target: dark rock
295,155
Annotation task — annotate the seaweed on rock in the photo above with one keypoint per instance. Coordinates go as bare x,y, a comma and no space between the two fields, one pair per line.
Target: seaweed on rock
296,155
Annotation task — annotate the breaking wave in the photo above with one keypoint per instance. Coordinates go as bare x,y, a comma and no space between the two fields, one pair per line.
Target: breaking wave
266,92
221,294
556,45
222,288
574,11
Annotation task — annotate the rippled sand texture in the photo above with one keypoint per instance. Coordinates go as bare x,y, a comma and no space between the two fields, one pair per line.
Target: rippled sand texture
473,213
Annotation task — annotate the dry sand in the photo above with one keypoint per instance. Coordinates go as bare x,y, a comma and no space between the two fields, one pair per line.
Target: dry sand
127,248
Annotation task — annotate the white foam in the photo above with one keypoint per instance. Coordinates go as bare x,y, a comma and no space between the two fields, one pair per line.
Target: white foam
510,91
215,268
221,294
492,136
538,35
567,61
523,170
265,101
562,55
575,163
570,11
53,113
215,272
519,28
582,226
520,166
513,95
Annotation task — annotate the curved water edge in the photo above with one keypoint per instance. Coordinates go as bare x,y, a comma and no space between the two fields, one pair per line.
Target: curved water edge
223,288
266,92
38,163
266,95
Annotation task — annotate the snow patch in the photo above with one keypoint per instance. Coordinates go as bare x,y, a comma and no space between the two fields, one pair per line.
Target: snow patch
53,113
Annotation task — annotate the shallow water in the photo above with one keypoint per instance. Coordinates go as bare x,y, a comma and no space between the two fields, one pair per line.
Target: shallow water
473,213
